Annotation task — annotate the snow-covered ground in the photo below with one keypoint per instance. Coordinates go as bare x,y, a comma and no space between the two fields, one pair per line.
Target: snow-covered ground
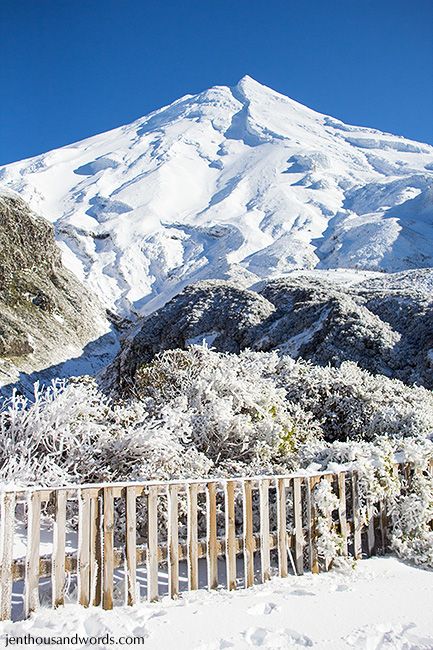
381,604
241,183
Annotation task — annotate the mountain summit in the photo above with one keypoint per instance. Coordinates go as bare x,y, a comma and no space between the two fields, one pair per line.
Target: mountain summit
237,183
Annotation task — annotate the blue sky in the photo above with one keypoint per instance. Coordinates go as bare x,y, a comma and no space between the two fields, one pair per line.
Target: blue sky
73,68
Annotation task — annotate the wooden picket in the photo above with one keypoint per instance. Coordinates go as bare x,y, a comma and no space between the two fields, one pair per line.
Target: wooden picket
152,544
265,549
84,548
281,527
7,520
248,533
356,517
230,534
299,532
229,513
192,539
131,543
108,549
31,592
342,514
211,526
173,541
58,555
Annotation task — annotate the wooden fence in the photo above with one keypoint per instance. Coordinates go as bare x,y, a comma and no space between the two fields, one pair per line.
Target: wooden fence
270,522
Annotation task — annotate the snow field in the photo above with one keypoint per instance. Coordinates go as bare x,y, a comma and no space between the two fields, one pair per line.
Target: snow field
381,604
135,209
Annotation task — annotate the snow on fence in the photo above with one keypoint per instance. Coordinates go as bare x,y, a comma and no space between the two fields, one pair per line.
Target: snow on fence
202,526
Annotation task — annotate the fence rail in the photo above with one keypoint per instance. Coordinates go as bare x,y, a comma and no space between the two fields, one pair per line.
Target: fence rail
200,526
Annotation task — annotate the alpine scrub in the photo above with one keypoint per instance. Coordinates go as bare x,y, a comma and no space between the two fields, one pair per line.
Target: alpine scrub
199,413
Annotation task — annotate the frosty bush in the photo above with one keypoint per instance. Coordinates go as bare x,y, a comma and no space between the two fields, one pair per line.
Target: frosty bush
408,499
329,543
198,413
71,433
352,404
234,409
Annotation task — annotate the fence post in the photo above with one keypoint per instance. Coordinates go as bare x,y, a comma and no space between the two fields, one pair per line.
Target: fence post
192,536
265,558
131,545
108,543
211,536
383,524
230,530
281,527
173,541
314,557
31,595
299,533
371,535
95,549
342,515
357,523
152,544
58,555
248,540
7,528
83,548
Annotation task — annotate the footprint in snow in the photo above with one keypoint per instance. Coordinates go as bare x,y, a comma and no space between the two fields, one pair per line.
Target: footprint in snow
384,637
158,613
140,631
263,609
301,592
276,639
221,644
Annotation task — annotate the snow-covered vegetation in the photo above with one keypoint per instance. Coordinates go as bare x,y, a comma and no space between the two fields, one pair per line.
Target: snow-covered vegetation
198,413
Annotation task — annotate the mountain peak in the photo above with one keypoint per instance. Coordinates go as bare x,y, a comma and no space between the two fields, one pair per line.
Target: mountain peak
247,79
236,182
252,91
247,83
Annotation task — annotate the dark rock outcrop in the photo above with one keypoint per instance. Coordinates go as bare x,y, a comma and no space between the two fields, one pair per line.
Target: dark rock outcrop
385,330
46,315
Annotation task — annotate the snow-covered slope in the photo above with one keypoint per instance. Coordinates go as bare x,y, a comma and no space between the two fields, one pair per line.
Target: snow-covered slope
239,183
381,604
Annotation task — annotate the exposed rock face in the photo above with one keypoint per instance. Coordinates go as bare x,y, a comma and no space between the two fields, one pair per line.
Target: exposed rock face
46,315
214,310
385,330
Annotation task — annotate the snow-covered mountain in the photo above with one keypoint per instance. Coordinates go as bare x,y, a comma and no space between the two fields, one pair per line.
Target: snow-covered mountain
238,183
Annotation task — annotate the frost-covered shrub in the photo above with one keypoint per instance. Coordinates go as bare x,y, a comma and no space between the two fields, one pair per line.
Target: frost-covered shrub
234,409
352,404
411,516
408,499
329,542
199,413
71,433
48,437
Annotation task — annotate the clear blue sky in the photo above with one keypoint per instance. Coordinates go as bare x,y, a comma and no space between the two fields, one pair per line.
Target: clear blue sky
73,68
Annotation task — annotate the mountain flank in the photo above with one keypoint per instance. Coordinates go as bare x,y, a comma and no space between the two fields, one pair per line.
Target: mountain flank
234,183
46,315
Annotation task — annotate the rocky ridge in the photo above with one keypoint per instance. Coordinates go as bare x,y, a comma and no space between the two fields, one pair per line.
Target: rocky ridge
380,323
46,316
